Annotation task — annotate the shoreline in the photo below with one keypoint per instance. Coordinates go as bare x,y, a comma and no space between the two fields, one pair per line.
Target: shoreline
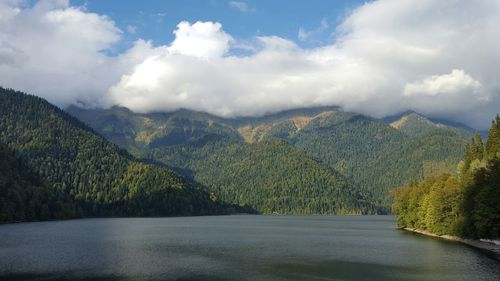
490,249
187,216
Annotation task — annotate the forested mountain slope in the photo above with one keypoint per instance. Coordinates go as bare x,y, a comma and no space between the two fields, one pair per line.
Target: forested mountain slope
83,170
377,157
466,204
371,155
271,176
24,197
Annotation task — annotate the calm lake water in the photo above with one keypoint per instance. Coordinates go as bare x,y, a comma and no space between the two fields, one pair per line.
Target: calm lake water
234,248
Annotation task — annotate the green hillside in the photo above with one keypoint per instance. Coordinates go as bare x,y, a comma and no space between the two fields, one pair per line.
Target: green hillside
87,173
25,197
467,204
370,155
273,177
377,157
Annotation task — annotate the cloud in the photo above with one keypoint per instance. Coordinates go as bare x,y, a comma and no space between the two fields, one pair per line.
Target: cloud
455,83
241,6
389,56
203,40
457,90
54,50
435,57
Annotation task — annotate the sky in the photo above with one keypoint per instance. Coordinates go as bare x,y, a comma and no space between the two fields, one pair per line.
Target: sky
249,58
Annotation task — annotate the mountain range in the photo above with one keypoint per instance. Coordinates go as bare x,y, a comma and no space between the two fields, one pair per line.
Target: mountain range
115,162
304,161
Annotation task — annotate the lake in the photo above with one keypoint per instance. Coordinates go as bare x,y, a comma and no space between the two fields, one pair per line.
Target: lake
243,247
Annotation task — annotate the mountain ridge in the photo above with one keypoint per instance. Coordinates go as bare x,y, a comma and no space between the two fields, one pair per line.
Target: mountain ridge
436,121
365,150
281,116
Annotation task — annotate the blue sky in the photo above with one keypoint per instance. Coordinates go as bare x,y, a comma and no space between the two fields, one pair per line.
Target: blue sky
156,19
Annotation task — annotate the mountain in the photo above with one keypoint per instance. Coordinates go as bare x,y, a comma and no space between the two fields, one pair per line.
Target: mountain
271,176
376,157
416,124
59,165
139,132
368,154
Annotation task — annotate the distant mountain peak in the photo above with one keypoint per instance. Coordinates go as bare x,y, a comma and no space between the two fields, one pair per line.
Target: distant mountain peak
253,133
412,118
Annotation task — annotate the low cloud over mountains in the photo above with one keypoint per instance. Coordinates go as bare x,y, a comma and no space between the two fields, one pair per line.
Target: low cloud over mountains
436,57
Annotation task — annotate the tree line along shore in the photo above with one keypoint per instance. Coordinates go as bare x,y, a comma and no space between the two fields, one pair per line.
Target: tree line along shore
464,207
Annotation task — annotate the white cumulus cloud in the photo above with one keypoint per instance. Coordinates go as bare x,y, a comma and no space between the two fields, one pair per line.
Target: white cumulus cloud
55,50
436,57
447,93
455,83
203,40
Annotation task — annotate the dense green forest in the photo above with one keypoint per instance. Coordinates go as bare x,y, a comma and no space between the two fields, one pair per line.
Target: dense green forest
370,156
467,204
377,157
25,197
271,176
54,166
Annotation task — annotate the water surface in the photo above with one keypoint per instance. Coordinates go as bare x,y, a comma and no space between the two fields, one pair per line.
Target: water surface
234,248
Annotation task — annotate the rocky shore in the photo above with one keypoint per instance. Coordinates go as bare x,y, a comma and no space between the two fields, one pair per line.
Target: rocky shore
490,247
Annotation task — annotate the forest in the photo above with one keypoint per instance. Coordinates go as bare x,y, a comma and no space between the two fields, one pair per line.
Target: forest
307,161
53,166
466,204
267,161
272,176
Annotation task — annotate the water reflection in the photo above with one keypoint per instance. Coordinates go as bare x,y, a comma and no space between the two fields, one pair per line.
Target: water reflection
233,248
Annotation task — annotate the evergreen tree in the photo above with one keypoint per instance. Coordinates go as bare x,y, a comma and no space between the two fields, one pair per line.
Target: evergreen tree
485,215
493,141
468,206
474,150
